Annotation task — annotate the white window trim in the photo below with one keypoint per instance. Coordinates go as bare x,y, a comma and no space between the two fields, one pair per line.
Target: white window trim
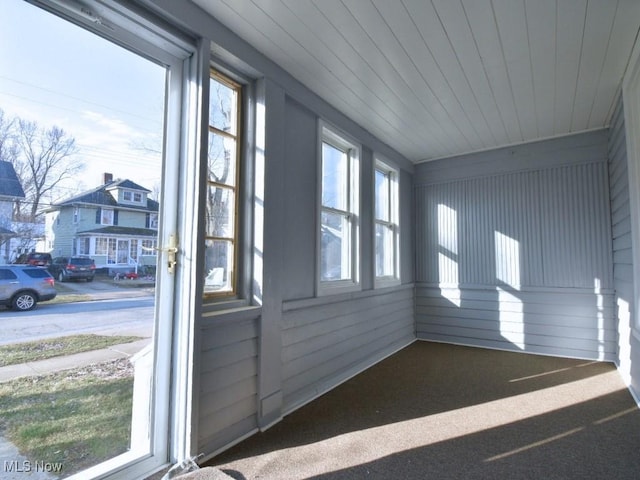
334,136
394,222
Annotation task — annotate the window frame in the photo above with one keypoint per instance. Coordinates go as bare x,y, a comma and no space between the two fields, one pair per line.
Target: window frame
393,222
138,29
216,73
341,141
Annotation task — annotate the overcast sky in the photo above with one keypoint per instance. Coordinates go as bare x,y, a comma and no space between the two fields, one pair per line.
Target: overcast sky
108,99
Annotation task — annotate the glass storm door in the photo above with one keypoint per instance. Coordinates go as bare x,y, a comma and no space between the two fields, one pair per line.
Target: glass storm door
106,86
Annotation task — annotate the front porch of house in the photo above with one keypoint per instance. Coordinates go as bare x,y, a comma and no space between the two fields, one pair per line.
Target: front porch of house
119,252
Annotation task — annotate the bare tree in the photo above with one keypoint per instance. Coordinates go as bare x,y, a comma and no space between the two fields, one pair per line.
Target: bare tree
45,161
8,145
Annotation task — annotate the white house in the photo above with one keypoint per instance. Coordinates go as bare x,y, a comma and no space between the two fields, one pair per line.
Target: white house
10,191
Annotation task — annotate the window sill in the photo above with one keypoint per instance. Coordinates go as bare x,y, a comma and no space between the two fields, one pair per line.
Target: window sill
386,282
326,289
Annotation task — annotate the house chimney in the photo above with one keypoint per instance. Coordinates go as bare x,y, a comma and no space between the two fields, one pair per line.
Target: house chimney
107,178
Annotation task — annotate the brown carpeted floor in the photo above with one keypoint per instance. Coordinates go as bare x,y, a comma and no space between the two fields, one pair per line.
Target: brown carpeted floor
437,411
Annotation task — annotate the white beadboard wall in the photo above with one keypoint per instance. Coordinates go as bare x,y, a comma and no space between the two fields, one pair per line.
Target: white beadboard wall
520,259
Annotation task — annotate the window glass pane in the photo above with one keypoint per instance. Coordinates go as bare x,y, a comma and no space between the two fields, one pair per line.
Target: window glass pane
223,102
220,212
382,196
334,178
107,217
111,259
384,251
222,159
7,275
335,252
134,250
102,246
218,266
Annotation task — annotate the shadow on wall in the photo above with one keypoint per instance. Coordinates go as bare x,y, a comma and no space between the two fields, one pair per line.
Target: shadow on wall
519,261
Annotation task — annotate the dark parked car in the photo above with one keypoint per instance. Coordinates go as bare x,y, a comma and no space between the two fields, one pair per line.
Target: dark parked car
37,259
23,286
73,268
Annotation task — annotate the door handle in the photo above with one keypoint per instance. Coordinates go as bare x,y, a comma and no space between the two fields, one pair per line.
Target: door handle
171,250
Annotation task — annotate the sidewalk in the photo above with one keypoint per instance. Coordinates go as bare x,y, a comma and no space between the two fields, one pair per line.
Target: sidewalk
56,364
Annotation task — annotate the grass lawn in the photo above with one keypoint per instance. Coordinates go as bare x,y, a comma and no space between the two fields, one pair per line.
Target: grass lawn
42,349
77,417
71,298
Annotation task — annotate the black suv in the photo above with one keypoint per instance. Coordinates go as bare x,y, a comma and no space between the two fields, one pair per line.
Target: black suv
68,268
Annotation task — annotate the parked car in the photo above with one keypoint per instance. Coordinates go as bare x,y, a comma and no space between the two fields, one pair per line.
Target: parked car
38,259
23,286
73,268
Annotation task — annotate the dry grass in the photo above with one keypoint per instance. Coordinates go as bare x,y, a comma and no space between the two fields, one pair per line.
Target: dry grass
76,418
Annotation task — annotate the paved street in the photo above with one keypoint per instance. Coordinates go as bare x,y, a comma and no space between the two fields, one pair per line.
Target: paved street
115,310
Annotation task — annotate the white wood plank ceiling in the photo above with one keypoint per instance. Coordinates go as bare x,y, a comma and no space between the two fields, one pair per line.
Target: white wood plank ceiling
436,78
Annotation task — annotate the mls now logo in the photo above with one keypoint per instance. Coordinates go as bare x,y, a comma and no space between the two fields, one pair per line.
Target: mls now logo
27,466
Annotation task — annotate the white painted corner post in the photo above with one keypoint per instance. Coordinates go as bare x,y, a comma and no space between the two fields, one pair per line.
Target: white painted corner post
631,101
270,221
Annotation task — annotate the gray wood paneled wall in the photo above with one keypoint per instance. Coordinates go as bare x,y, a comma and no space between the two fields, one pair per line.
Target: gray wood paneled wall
325,343
629,346
514,249
255,364
228,371
325,340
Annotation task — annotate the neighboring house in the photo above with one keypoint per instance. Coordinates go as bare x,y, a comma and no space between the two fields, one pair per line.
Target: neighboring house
10,191
115,224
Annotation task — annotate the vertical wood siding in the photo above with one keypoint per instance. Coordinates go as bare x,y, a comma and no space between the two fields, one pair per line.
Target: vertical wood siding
325,343
522,259
228,405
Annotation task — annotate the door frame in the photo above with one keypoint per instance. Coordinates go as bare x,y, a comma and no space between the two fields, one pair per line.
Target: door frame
136,29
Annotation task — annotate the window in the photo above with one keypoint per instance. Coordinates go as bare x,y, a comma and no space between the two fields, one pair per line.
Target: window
6,274
386,224
102,246
106,217
111,251
128,196
76,212
133,251
84,245
222,190
162,81
338,232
